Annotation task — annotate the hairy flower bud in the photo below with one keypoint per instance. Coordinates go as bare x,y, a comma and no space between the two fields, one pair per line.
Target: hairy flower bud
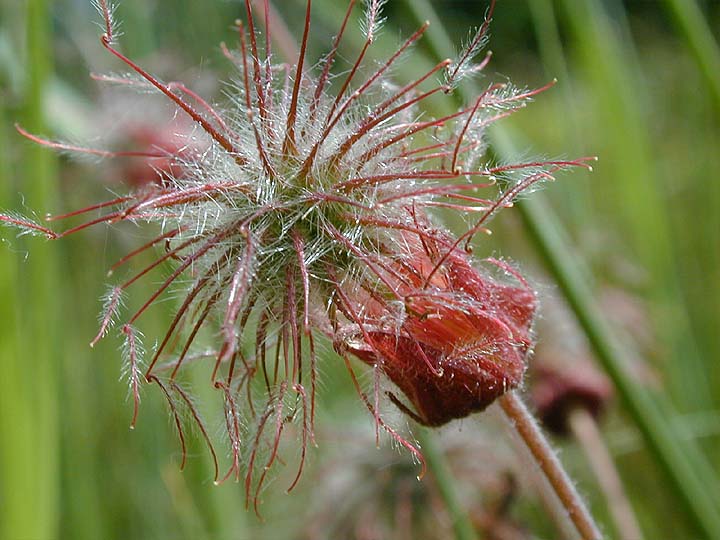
456,339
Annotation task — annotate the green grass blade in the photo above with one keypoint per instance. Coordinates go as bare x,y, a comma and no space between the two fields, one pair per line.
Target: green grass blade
15,417
634,193
678,461
578,200
40,320
30,482
691,22
446,484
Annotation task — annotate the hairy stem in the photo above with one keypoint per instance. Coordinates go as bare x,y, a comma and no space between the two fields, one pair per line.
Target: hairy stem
526,426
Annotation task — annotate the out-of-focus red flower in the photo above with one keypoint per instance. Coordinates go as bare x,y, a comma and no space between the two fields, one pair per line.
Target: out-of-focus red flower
461,341
171,146
557,391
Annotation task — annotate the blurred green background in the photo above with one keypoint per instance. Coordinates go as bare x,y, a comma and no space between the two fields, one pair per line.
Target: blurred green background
638,86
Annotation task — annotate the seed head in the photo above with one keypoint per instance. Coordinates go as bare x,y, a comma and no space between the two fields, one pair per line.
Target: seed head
302,206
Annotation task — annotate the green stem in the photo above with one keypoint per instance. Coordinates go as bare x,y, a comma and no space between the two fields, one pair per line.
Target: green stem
31,483
692,24
578,200
629,158
445,482
13,416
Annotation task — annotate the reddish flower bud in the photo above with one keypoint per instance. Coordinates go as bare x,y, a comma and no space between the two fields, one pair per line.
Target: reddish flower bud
461,340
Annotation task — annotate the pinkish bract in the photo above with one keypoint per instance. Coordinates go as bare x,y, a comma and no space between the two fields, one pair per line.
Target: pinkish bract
304,209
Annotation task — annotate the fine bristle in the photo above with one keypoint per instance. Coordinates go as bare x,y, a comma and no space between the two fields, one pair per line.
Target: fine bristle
291,212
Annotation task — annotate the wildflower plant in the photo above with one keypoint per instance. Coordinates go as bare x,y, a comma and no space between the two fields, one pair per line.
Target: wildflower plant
304,207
